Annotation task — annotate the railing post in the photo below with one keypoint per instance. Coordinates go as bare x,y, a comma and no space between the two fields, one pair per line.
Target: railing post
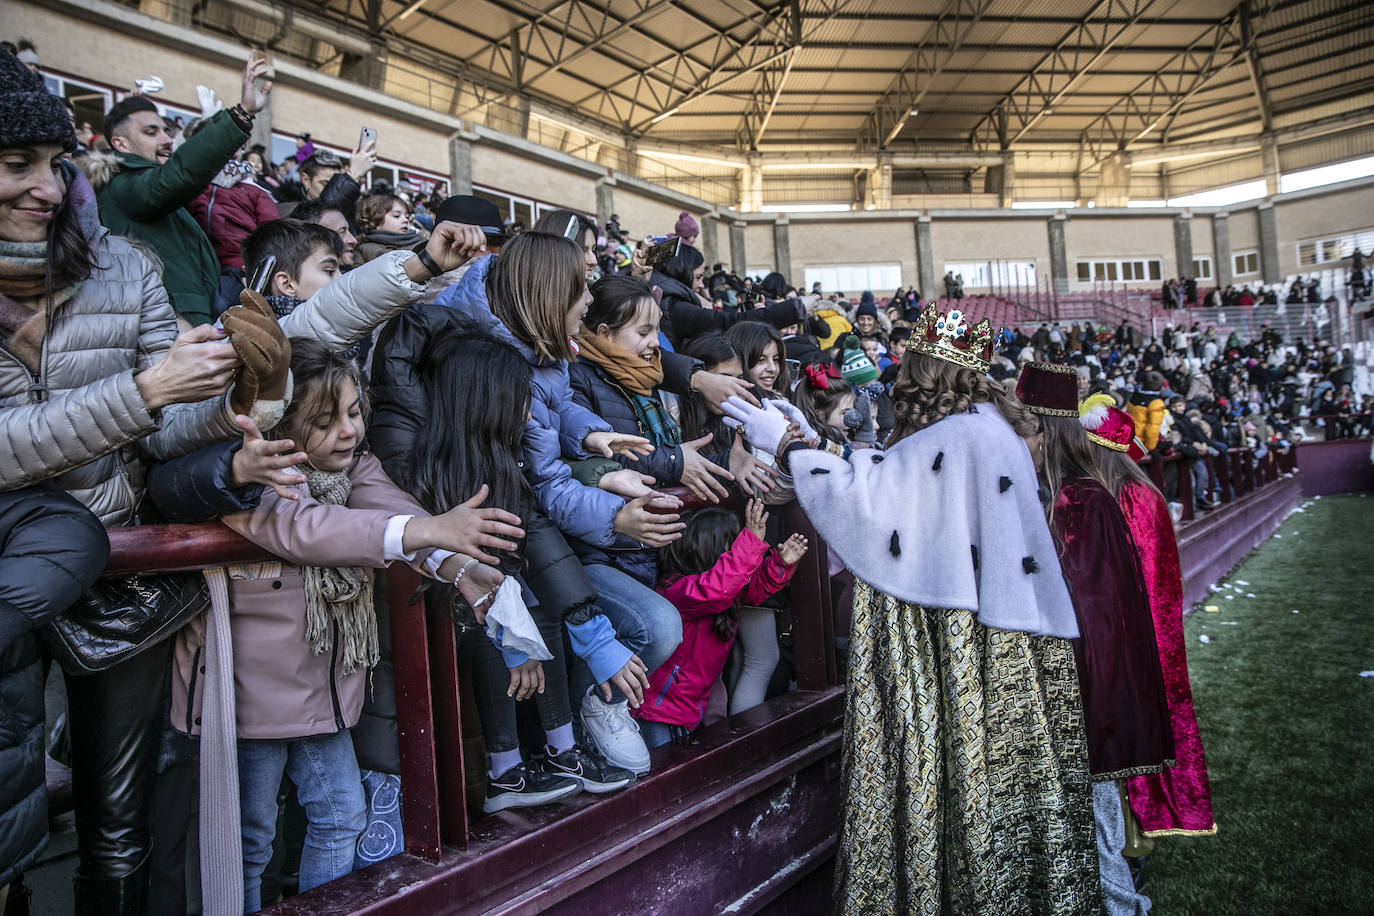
420,817
448,731
1185,486
813,618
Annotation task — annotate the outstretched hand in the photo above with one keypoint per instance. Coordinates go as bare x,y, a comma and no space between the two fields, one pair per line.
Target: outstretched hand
270,463
610,444
466,529
255,93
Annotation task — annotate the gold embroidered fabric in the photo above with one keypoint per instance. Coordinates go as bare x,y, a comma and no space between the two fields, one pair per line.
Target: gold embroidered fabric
965,769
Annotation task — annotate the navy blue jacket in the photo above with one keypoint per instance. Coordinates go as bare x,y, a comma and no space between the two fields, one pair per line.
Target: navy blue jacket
51,549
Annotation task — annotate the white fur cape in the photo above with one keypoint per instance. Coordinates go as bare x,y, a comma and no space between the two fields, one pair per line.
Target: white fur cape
947,518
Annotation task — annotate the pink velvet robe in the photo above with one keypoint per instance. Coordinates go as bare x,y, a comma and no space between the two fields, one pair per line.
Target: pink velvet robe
1179,800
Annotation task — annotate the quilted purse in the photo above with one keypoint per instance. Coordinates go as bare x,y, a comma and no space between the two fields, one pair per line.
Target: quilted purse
118,618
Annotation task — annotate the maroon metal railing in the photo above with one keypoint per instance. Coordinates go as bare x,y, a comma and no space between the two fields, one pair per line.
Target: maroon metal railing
1236,473
425,658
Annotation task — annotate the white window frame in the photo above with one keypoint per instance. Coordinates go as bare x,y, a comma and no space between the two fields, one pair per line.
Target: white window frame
1241,262
1333,249
987,274
1141,269
853,279
1202,268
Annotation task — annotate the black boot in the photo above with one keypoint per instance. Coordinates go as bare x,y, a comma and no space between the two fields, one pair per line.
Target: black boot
122,896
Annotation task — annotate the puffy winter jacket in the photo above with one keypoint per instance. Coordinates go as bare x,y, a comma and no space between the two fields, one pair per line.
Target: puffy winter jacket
556,427
748,572
51,549
599,393
684,317
229,210
81,419
147,200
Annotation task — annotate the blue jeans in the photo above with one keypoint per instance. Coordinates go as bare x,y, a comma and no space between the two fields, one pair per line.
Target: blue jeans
330,788
645,622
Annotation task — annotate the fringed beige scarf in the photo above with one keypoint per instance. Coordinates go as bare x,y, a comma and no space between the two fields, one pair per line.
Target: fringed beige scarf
341,595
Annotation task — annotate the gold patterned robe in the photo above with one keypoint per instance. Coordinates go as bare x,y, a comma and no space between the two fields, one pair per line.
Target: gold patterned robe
965,771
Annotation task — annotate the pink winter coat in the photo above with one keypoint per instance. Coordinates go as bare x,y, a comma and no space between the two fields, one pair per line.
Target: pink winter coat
747,573
229,214
281,688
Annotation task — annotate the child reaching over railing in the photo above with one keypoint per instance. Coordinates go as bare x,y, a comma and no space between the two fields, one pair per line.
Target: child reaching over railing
716,566
304,631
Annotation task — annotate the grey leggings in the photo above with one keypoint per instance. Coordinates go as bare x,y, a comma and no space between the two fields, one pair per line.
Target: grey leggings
758,645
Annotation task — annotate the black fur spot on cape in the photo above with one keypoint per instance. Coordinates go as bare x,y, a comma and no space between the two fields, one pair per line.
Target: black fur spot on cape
820,470
939,456
895,545
878,457
974,548
1029,565
1004,483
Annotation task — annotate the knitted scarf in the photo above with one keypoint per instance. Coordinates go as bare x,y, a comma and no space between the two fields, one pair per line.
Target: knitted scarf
628,370
23,319
639,379
339,595
407,239
23,278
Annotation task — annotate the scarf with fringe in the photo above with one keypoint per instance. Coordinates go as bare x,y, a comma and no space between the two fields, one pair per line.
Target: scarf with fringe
339,595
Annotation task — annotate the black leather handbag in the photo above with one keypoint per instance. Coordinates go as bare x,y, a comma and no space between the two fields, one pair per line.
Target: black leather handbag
118,618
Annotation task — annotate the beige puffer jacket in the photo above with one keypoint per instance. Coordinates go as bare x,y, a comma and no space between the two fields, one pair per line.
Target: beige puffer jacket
82,421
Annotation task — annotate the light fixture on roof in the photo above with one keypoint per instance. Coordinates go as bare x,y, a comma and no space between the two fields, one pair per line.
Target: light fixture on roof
410,9
667,114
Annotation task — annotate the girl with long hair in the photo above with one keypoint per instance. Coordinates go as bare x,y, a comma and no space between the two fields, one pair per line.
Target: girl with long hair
468,443
532,297
959,645
1125,713
762,355
1178,801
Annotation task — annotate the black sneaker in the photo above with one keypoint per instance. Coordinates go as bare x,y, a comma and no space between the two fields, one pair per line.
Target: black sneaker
587,768
525,787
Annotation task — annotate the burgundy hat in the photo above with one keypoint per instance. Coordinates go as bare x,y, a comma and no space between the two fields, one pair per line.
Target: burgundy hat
1049,389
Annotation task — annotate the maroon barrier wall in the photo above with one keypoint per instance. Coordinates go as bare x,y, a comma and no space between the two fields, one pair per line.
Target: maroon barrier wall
1338,466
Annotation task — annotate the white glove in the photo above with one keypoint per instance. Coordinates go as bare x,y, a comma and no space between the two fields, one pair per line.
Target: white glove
793,412
764,426
208,103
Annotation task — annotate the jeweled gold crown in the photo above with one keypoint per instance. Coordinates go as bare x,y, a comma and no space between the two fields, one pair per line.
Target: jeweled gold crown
949,337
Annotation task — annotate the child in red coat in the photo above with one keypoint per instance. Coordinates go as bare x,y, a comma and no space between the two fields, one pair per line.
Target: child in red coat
707,574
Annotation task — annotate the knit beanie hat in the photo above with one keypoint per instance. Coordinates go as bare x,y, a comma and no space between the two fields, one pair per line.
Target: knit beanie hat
855,368
866,308
29,114
686,227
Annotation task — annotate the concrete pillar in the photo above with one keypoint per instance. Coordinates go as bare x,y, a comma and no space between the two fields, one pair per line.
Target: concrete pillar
1269,243
262,129
738,263
1183,243
782,250
522,124
878,190
631,156
925,259
753,201
709,243
1059,255
1114,180
1269,156
460,162
605,200
1221,248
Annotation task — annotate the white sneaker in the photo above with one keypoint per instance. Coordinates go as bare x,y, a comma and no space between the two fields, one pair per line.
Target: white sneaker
614,734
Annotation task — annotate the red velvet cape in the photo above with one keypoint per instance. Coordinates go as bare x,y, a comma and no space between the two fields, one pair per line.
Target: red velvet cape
1124,705
1179,800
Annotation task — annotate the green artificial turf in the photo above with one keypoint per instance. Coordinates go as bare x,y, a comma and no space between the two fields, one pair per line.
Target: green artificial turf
1288,727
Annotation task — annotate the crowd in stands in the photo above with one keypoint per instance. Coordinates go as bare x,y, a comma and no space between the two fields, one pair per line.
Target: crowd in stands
351,375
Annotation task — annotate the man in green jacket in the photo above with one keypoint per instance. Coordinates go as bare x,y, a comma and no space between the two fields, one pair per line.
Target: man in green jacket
146,199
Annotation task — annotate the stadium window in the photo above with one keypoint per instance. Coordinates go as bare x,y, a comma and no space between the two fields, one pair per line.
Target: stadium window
1127,270
853,279
89,101
994,274
1331,250
1245,263
1202,268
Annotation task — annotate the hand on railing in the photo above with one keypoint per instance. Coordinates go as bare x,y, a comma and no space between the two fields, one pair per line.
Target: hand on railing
465,529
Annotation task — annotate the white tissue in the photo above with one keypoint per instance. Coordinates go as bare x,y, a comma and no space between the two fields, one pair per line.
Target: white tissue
510,625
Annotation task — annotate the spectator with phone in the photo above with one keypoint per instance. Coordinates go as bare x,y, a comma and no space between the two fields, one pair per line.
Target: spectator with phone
143,191
687,312
324,177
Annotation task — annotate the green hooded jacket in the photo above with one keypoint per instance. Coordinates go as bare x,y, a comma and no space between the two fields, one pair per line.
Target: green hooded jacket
147,201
